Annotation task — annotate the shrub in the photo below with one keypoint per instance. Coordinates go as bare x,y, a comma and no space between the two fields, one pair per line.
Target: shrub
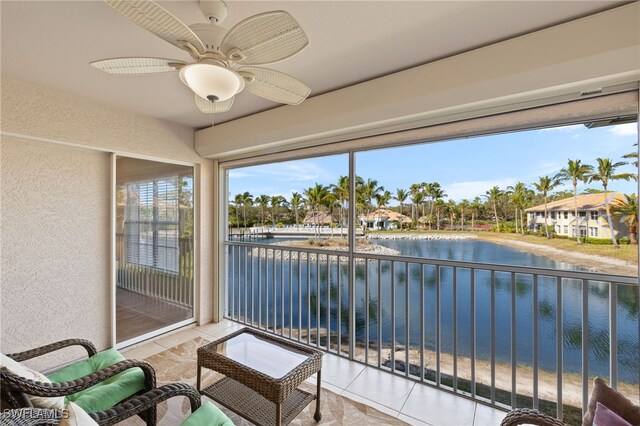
606,241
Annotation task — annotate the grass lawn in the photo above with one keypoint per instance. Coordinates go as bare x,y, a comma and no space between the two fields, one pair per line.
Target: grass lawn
624,252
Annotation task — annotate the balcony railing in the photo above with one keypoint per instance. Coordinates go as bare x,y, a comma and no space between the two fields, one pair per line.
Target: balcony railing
170,286
511,336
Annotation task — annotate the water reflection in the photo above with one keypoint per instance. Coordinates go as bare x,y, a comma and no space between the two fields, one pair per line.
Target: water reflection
315,304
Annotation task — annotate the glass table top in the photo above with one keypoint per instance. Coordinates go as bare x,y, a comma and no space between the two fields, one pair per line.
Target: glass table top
261,355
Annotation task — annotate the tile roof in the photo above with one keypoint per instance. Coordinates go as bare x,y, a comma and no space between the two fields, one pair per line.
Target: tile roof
384,214
585,202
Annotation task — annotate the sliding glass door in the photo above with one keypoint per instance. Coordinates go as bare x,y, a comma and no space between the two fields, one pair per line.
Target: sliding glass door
154,247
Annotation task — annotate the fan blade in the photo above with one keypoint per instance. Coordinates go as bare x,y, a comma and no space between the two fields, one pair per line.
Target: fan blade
155,19
264,38
132,66
208,107
274,85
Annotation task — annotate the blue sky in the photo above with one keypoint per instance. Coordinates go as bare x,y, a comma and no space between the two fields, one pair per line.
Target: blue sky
465,168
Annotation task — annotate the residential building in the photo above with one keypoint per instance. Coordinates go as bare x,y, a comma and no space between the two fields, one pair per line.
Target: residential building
591,221
383,219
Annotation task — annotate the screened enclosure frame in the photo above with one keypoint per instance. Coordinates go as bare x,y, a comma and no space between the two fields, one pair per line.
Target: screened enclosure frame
591,107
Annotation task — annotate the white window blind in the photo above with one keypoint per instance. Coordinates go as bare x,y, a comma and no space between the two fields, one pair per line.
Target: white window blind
152,223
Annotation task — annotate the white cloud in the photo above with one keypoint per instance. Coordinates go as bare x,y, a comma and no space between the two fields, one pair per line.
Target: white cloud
237,174
629,129
547,168
298,171
471,189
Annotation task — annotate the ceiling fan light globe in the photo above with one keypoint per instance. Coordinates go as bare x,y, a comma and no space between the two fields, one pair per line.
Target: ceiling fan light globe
211,80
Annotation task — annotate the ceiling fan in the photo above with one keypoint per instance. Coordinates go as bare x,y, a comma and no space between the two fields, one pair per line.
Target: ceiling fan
213,77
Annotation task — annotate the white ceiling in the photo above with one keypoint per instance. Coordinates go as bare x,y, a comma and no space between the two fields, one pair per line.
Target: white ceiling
50,43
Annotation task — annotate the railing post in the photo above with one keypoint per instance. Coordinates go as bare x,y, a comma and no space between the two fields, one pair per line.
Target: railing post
352,245
613,335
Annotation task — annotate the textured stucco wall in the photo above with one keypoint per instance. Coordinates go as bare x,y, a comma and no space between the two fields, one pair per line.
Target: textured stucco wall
55,212
54,218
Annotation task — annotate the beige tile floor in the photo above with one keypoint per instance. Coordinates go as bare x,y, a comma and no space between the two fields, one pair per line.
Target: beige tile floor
411,402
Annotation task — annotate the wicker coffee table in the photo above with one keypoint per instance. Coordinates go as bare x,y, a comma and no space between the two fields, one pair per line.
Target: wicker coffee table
263,373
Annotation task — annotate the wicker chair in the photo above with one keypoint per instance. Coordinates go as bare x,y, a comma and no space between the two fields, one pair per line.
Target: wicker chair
133,406
13,388
529,416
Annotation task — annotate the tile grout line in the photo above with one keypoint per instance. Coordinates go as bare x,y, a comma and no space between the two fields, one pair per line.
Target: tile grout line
413,418
408,395
357,375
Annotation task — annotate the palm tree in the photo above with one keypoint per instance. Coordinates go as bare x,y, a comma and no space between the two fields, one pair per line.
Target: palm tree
451,209
276,201
545,185
476,208
517,196
316,197
237,202
493,196
425,187
416,197
401,197
431,191
370,191
463,206
263,202
247,198
607,172
296,201
440,207
633,155
383,198
628,210
437,194
575,172
341,194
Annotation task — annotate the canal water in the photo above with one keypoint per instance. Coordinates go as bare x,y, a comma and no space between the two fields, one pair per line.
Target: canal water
299,283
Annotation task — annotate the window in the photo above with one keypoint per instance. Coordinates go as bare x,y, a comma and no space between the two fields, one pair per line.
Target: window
593,232
565,229
566,215
553,215
582,214
583,232
594,215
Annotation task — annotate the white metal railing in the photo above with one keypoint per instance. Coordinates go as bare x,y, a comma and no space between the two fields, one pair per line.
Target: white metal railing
170,286
441,321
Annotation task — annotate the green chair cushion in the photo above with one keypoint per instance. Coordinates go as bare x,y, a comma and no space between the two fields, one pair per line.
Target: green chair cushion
208,415
107,393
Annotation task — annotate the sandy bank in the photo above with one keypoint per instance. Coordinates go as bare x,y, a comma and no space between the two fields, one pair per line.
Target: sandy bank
591,262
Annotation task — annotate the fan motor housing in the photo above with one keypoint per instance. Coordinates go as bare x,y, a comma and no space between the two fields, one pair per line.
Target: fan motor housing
210,35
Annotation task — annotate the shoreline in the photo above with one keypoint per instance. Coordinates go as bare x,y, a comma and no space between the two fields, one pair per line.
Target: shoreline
585,260
603,264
